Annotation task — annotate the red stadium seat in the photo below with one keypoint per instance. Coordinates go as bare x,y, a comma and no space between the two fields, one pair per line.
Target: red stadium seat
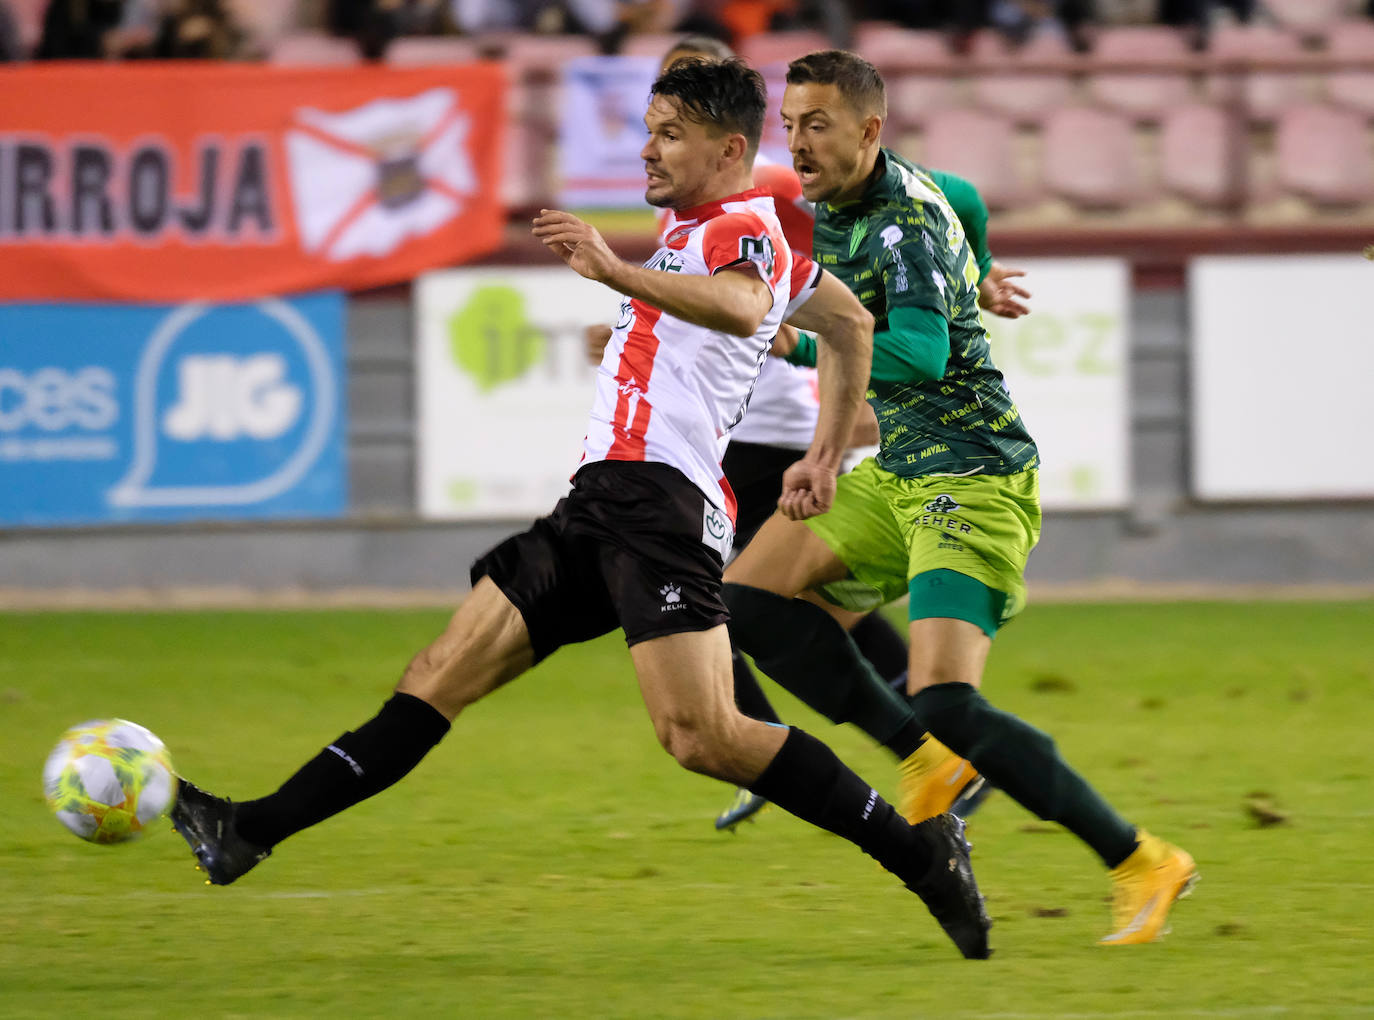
1143,95
1090,158
429,50
977,145
1199,150
1262,93
28,17
650,44
314,49
1029,96
1353,89
891,47
781,47
1323,154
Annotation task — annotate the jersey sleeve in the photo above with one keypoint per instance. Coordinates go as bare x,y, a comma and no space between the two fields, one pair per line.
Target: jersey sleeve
972,212
736,239
806,275
904,261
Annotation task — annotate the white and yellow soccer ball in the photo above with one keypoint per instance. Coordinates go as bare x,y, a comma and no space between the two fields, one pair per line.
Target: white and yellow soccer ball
109,779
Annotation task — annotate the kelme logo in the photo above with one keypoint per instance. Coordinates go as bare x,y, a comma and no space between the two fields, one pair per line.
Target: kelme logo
942,504
491,338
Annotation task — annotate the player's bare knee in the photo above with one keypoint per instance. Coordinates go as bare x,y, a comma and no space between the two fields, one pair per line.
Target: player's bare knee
697,748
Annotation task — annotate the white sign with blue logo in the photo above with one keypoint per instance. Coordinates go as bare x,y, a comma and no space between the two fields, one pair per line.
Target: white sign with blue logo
129,413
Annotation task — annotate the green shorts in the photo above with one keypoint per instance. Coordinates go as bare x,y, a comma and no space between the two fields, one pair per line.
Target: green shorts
888,530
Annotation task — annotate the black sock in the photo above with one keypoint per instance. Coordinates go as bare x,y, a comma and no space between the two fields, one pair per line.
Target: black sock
357,765
802,648
749,696
881,644
807,779
1022,761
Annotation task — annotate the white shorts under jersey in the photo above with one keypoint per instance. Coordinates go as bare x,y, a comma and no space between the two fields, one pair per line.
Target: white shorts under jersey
670,391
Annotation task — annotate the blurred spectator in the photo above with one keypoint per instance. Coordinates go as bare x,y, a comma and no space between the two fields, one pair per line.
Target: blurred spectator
11,47
374,23
200,30
608,20
1017,19
97,29
1198,16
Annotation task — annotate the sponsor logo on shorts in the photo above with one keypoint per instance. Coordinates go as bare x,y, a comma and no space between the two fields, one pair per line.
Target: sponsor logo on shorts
716,531
672,598
937,515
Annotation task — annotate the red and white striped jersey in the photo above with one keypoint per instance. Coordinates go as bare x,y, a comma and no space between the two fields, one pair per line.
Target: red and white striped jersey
670,391
786,403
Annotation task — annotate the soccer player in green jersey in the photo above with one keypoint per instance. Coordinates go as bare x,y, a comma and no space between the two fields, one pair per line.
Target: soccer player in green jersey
948,511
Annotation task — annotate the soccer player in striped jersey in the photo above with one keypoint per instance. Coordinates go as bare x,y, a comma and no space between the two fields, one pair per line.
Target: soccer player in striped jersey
640,541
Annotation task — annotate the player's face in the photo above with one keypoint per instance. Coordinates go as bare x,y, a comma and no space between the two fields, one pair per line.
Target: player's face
681,157
826,138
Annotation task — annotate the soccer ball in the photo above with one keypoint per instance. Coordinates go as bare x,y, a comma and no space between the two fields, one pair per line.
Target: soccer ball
109,779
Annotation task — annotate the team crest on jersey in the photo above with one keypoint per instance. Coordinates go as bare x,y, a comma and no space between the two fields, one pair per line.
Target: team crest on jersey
758,248
942,504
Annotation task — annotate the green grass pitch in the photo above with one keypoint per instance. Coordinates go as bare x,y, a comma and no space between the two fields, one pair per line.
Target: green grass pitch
549,860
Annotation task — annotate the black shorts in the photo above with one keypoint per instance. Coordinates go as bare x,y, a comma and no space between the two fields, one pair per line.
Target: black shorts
754,472
626,548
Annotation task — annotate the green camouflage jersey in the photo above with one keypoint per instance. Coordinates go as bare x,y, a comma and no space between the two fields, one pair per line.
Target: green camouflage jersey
901,245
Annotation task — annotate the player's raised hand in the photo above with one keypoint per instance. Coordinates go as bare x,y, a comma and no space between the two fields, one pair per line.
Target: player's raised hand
1001,297
577,243
808,490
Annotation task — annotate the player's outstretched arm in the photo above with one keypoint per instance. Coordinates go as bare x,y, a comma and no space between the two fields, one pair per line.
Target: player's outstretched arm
732,302
844,331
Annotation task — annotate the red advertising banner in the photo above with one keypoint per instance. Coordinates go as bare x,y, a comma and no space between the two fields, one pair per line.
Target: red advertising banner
169,182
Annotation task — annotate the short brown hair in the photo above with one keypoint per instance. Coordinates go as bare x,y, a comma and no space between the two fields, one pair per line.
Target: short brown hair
858,81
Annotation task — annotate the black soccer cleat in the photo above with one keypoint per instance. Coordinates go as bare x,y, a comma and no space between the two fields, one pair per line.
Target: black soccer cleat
206,822
949,889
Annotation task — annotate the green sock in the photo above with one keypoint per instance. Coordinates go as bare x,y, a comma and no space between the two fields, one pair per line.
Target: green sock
1023,762
809,654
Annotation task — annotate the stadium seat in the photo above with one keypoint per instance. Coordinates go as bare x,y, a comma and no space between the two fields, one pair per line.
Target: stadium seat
428,50
1025,97
892,47
650,44
1090,158
1323,154
781,47
912,98
1199,150
28,18
528,50
1262,93
1140,94
1353,89
917,67
977,145
314,49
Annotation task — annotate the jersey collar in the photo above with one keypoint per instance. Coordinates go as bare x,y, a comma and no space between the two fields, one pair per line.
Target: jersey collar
709,210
